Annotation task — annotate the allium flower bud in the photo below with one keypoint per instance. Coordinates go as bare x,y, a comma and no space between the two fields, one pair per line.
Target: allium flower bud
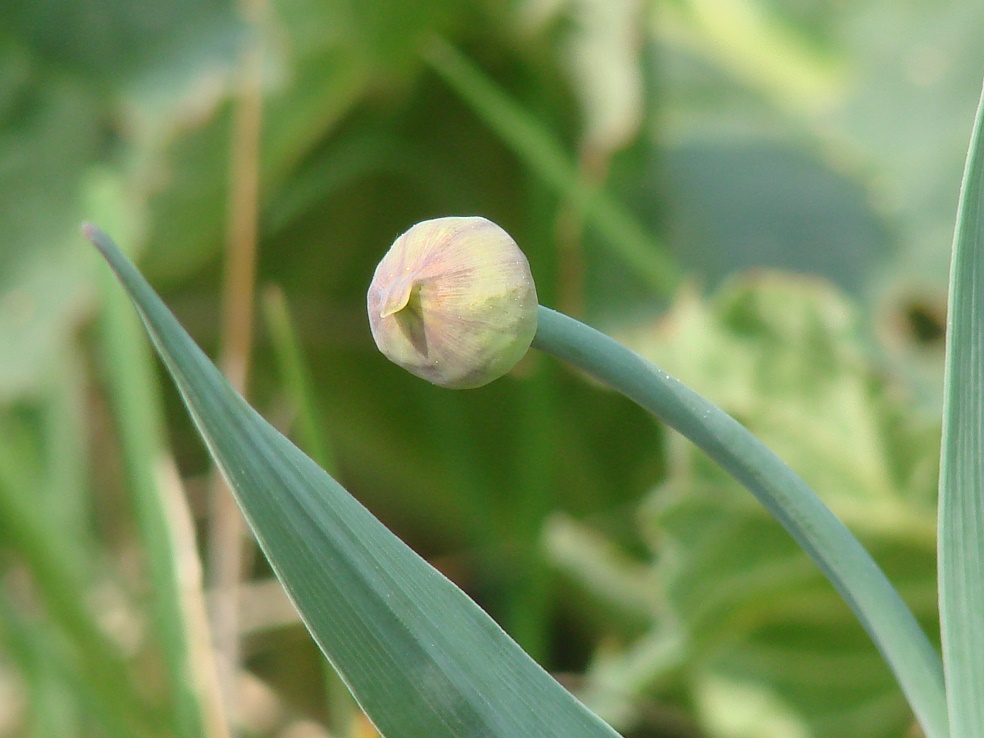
453,302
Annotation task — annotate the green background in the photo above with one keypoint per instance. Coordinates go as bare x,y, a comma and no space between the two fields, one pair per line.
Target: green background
796,162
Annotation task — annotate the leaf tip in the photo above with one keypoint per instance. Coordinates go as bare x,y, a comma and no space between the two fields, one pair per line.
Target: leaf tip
96,236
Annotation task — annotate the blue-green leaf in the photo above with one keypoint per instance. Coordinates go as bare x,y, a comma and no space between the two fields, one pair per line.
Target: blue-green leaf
820,533
420,657
961,516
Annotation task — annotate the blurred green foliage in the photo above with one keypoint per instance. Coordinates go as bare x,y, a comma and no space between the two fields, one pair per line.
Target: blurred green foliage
740,614
813,137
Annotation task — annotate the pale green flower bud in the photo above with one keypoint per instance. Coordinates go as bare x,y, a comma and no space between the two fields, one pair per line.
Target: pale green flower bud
453,302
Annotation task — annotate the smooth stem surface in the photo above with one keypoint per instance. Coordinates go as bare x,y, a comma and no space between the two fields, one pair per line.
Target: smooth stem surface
840,556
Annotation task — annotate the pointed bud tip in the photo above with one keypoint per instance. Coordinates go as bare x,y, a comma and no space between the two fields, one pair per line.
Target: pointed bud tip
396,297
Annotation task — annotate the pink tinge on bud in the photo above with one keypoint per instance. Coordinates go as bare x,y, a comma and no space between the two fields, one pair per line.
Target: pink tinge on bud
453,302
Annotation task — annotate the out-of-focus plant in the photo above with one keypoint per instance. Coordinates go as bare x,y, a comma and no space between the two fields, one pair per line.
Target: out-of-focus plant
626,145
452,302
734,613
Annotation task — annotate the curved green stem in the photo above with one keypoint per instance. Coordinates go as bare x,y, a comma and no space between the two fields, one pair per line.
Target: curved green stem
822,535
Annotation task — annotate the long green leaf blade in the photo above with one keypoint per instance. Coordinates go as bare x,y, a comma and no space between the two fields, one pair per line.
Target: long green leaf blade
840,555
961,511
422,659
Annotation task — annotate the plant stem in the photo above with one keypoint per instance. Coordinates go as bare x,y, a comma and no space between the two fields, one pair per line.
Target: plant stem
840,555
226,535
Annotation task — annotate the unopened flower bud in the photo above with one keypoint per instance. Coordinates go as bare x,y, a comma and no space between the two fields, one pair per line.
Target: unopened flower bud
453,302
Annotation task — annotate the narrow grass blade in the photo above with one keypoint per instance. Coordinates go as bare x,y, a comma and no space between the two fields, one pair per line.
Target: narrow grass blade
539,150
421,658
829,543
314,438
298,386
130,377
961,516
53,689
62,587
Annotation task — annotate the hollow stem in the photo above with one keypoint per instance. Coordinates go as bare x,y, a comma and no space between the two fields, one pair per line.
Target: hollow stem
840,555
